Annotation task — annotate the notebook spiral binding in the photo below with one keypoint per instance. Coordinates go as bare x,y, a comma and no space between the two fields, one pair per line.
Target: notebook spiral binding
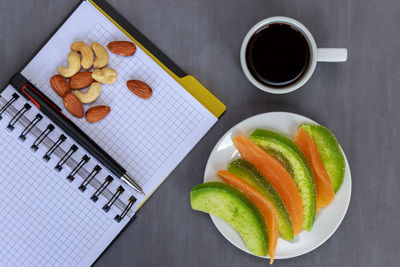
131,201
30,126
9,103
53,148
41,137
116,195
100,190
75,170
89,178
64,159
13,121
61,139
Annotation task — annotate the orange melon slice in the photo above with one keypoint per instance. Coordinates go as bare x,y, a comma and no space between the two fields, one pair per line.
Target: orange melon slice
277,175
262,203
323,184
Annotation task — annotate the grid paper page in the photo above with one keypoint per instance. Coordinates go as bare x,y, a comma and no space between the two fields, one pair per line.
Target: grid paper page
148,137
45,219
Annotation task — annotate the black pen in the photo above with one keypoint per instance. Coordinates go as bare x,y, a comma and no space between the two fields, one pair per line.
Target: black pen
53,112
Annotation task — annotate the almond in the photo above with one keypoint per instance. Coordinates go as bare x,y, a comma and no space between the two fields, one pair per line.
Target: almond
81,80
122,48
97,113
73,105
59,85
139,88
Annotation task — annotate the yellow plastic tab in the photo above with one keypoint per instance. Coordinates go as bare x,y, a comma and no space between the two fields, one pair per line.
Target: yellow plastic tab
205,97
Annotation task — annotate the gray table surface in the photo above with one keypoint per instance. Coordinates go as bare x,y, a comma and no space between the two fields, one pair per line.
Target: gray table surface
358,100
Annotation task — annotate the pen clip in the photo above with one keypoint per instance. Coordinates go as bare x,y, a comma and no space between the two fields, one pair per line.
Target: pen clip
33,100
23,89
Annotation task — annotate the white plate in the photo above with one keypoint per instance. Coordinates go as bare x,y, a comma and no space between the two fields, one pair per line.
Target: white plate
327,220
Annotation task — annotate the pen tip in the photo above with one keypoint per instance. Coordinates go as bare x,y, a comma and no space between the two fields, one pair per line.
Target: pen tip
128,180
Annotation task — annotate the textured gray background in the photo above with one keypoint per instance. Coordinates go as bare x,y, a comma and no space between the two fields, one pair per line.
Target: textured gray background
358,100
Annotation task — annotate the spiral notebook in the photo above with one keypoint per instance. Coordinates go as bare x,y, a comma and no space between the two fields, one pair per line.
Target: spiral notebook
58,205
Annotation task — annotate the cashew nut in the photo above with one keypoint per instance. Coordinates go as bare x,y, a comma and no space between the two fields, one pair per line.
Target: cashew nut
101,55
105,75
86,52
74,65
91,95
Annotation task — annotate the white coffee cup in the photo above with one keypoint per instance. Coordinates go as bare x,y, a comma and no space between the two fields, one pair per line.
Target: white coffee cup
316,55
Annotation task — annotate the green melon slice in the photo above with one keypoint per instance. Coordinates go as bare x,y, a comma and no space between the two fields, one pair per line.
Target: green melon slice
230,204
296,164
331,154
249,173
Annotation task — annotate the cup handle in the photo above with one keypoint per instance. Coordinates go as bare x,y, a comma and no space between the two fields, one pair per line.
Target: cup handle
332,55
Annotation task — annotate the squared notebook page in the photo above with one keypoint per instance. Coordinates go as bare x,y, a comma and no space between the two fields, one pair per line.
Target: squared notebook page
44,219
148,137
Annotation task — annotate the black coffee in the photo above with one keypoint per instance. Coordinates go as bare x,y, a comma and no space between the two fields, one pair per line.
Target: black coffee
277,55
